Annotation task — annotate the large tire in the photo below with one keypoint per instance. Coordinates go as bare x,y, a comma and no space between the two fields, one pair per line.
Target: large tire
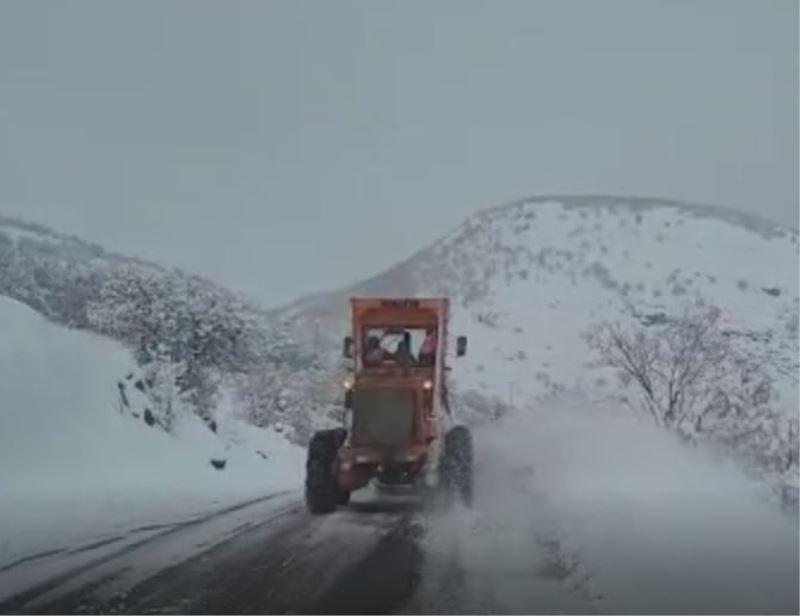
457,464
322,492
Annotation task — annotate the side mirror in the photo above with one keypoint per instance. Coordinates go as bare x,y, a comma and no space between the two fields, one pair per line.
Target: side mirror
347,347
461,346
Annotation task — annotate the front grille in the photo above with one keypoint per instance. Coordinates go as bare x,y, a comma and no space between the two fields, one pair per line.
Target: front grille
383,417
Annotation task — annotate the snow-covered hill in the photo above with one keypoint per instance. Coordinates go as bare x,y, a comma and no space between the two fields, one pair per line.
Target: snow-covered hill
78,467
530,279
178,326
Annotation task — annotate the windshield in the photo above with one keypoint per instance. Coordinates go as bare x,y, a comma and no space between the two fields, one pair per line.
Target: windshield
393,345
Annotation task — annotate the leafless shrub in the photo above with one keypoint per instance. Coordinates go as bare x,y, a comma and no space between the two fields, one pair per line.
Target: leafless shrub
672,366
686,374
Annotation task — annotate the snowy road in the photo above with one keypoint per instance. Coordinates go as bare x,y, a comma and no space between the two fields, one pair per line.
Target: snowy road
366,558
574,513
268,557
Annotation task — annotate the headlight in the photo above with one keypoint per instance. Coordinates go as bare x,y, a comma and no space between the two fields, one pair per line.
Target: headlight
348,384
428,384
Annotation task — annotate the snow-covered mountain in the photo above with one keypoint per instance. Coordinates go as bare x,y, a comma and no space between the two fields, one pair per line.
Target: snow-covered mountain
530,279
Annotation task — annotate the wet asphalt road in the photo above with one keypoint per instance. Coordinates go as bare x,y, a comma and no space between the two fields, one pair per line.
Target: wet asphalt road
365,558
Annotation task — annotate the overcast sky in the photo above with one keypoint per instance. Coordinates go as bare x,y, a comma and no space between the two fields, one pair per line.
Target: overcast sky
286,147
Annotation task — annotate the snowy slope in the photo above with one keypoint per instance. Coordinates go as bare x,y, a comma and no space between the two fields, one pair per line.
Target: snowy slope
179,326
63,277
77,468
529,278
551,271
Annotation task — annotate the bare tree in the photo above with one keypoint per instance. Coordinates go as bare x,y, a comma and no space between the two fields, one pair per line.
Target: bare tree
672,364
690,378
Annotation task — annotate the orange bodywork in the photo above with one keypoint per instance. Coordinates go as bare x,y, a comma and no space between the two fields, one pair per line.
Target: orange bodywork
358,462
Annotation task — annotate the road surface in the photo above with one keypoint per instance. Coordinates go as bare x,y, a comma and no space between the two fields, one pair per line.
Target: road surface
368,557
562,523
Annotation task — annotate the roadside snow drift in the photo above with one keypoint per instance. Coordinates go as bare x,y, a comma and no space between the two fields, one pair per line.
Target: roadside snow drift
581,508
75,471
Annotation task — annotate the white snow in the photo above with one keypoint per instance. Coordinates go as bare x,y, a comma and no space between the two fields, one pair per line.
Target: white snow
658,525
75,471
566,252
583,509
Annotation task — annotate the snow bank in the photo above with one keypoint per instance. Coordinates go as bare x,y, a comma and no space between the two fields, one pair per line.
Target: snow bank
74,470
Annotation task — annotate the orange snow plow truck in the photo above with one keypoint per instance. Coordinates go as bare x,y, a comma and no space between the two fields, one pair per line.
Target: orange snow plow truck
398,430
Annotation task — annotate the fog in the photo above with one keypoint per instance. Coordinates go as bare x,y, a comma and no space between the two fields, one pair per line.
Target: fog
582,508
272,145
